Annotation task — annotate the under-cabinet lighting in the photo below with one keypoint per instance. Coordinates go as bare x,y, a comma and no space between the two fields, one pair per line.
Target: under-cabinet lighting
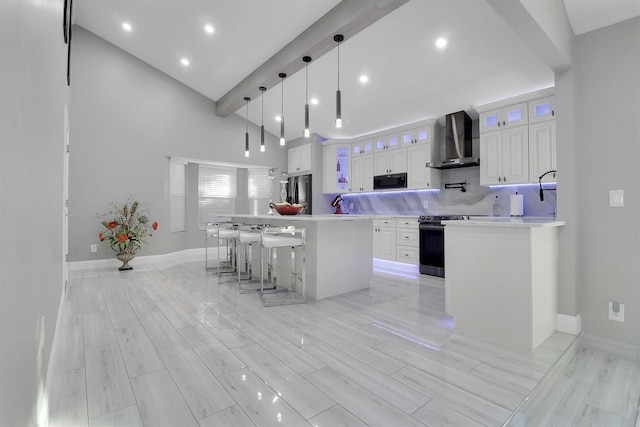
393,192
547,183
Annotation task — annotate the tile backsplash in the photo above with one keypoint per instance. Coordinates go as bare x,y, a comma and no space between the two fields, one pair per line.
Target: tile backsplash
477,200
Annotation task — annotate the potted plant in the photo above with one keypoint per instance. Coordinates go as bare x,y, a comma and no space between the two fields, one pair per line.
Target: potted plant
126,228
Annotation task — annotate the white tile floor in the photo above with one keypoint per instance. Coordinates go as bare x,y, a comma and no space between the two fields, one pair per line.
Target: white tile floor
170,346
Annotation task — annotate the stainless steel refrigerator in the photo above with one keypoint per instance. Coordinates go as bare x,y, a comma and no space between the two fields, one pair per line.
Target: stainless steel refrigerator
299,191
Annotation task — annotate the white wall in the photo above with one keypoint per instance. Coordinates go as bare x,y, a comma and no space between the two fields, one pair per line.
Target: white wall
127,117
607,155
33,93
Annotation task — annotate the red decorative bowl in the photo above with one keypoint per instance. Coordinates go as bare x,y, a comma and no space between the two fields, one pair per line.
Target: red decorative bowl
287,208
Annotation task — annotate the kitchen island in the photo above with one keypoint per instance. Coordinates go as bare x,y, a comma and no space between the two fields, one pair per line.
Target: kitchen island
339,250
501,278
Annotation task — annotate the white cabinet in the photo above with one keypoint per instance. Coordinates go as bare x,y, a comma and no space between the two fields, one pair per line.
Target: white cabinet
505,156
384,239
505,117
336,168
408,240
419,175
542,109
420,135
361,173
361,148
387,142
542,150
299,159
392,161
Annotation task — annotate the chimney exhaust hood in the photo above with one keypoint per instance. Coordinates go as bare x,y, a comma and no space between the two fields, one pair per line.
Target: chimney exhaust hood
458,143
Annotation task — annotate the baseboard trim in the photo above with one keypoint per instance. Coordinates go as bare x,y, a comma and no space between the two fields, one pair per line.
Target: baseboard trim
172,258
568,324
616,348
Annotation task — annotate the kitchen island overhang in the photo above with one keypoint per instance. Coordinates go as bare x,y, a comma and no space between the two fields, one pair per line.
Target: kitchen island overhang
339,250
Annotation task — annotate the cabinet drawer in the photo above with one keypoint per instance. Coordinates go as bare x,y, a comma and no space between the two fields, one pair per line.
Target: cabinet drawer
408,255
408,237
407,223
384,222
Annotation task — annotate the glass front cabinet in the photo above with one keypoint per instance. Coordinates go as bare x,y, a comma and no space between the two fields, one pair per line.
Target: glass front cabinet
337,167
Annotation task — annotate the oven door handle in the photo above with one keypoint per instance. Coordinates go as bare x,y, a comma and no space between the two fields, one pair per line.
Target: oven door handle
431,227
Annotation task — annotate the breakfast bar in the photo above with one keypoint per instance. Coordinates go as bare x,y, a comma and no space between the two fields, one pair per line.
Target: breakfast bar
339,254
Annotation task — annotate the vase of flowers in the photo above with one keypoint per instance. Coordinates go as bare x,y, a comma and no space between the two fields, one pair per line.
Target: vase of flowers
126,228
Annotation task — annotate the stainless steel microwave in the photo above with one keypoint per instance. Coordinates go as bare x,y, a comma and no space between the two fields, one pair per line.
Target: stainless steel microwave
386,182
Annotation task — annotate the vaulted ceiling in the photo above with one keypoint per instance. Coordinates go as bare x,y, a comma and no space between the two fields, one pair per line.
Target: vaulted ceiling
392,42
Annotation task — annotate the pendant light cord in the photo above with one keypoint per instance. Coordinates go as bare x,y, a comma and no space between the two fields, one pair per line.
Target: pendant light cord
338,66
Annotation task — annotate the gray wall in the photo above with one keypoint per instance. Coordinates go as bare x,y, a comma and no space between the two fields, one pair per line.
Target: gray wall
607,155
127,117
33,93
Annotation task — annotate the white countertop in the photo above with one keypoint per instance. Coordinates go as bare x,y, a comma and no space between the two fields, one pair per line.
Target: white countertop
492,221
312,218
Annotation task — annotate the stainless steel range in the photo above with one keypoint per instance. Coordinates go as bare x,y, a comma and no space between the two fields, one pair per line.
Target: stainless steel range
432,243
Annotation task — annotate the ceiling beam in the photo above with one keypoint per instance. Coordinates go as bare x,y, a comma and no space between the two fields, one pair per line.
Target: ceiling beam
348,18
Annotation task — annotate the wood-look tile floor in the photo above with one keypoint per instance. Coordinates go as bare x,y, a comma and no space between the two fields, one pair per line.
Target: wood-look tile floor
173,346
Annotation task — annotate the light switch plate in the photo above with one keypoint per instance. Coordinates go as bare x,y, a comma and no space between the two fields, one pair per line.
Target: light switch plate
616,198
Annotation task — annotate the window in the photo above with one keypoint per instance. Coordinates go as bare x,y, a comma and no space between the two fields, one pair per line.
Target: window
258,191
177,195
216,193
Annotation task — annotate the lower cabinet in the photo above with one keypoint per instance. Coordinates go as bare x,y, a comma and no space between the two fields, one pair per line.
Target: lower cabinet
396,239
384,238
407,241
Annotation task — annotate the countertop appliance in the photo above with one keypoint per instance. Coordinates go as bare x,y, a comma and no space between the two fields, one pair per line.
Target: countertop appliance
299,192
432,242
389,181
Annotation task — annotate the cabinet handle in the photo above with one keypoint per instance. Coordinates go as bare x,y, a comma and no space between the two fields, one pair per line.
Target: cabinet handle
553,113
504,123
504,179
499,179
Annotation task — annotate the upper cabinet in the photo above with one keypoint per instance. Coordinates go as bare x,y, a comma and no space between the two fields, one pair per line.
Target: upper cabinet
336,162
362,147
421,135
542,150
387,142
542,109
518,139
506,117
299,159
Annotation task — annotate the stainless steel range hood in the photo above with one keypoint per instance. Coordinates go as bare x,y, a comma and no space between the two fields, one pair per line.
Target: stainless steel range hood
458,143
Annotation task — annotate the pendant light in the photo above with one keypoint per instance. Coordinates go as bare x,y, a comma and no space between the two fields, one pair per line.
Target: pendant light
282,140
338,38
246,125
306,59
262,149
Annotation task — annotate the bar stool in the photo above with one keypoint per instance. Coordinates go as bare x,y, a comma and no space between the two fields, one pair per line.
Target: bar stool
273,238
248,237
226,234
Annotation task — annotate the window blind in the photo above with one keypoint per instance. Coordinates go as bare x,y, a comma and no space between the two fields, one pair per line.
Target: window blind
177,195
216,193
258,191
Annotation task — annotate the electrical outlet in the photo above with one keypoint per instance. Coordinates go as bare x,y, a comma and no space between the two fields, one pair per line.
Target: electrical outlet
614,315
425,204
94,248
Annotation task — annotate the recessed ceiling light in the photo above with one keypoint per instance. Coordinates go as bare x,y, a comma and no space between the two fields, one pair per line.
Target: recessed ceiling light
208,28
364,79
314,101
441,43
126,26
184,61
278,119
